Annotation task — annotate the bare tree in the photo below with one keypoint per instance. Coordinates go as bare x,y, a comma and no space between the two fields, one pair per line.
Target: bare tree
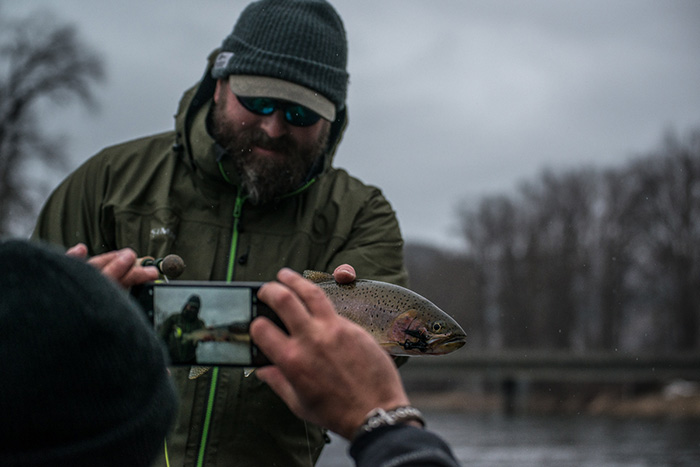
666,218
40,60
491,229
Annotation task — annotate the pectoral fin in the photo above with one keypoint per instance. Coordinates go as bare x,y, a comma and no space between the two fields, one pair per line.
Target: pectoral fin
197,371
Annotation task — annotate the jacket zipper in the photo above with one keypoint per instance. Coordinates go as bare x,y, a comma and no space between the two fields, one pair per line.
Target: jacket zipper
234,236
238,208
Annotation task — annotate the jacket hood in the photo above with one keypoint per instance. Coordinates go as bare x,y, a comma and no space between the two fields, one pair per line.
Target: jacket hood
199,150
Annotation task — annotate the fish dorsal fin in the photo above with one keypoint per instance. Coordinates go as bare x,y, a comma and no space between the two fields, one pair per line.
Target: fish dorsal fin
317,276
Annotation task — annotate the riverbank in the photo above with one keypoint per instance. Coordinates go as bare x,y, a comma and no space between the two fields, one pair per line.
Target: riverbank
680,399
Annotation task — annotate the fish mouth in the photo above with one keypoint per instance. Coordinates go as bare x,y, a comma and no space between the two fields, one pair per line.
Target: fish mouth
440,345
435,345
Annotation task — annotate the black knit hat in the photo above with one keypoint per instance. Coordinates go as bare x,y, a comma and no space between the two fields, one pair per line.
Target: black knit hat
277,44
84,378
194,300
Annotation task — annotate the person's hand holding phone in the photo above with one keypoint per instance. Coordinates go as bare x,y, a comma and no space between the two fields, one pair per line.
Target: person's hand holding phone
328,370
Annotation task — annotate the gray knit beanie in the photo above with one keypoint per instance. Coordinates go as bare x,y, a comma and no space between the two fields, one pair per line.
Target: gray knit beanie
297,41
84,379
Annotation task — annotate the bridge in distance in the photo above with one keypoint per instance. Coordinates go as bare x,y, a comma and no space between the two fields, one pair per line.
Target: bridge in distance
553,366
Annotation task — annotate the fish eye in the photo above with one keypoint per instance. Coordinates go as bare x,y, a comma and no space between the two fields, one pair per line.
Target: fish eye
437,327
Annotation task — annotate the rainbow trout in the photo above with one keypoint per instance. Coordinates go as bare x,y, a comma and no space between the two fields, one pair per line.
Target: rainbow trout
401,321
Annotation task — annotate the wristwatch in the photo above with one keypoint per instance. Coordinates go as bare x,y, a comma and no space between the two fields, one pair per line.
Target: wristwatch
380,417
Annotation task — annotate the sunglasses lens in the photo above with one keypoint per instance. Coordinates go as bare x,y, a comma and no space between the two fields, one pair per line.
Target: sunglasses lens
258,105
300,116
295,114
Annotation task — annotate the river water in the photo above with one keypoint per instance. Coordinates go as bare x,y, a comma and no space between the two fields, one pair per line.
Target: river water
497,440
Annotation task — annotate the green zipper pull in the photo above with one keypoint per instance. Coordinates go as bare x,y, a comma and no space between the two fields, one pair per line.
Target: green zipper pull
237,210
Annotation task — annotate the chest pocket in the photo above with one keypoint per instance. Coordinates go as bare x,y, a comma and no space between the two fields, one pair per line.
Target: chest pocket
152,234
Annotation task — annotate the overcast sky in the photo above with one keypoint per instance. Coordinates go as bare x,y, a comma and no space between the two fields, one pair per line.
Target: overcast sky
448,100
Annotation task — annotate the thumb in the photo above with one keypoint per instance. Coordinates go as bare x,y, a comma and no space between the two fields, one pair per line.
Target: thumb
78,251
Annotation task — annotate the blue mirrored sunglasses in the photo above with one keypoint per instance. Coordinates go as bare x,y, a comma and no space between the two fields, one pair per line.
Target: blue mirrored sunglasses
294,114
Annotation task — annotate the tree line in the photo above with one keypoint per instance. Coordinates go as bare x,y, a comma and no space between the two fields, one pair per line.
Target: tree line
587,259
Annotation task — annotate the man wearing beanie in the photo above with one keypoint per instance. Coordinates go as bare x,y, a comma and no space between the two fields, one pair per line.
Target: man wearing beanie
84,376
242,187
179,324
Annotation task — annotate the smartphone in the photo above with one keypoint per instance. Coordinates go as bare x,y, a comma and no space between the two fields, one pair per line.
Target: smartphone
206,323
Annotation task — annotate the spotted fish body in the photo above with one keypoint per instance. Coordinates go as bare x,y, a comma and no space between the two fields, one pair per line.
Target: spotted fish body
403,322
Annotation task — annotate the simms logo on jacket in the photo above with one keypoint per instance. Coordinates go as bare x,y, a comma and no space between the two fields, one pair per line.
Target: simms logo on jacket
162,232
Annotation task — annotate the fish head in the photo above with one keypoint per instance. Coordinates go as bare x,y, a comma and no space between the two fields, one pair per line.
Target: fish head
403,322
421,332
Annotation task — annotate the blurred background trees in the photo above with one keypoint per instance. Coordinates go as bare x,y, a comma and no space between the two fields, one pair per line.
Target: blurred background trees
41,62
582,260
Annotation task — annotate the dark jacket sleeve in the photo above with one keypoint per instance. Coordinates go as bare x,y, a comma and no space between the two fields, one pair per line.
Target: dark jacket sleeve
375,248
73,212
401,446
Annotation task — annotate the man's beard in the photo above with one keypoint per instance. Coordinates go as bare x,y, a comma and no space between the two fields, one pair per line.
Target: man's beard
266,179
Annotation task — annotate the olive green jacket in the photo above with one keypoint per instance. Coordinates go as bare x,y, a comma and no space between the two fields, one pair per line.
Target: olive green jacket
168,194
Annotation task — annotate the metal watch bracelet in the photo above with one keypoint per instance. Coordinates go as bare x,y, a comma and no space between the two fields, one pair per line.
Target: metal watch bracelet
380,417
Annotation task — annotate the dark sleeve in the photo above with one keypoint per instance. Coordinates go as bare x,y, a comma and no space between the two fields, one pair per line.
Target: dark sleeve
375,247
401,446
166,328
73,213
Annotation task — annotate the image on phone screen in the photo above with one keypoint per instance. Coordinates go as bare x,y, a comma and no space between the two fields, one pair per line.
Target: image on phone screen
204,325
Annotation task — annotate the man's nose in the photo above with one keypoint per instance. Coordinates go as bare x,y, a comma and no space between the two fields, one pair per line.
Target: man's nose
274,124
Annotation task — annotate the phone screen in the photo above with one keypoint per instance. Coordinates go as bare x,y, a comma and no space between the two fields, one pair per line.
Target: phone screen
205,323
